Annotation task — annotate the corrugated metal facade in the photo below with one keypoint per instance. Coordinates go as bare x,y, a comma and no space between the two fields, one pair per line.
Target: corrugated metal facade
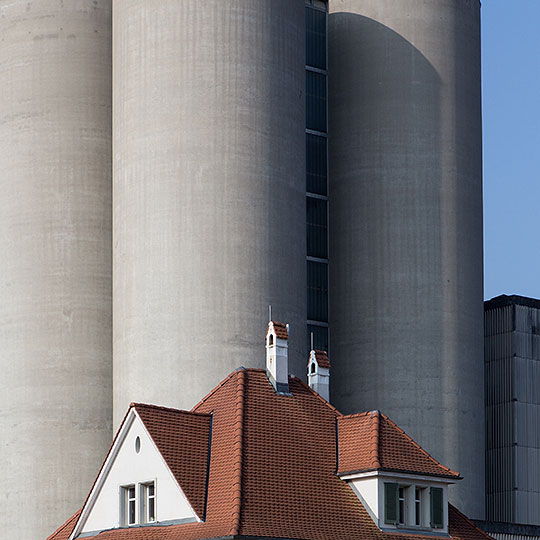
507,536
512,375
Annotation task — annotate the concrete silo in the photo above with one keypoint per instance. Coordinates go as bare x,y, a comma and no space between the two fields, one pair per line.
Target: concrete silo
55,258
406,223
209,191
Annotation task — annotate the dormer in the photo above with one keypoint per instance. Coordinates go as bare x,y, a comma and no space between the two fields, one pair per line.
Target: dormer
319,373
147,477
402,487
277,349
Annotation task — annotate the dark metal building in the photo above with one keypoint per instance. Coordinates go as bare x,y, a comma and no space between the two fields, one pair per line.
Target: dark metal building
512,375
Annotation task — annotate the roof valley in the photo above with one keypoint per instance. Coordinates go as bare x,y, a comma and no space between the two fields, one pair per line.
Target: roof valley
238,449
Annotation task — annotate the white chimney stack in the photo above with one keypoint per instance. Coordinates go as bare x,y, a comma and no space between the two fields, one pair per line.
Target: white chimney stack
319,373
277,361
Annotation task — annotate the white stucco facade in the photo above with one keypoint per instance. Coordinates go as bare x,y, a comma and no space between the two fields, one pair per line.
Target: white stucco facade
132,463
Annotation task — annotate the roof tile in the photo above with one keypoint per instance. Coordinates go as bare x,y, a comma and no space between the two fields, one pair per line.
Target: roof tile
273,466
370,441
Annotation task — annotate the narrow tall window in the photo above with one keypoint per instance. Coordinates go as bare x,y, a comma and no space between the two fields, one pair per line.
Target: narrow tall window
129,504
390,503
316,12
401,505
418,506
437,510
149,502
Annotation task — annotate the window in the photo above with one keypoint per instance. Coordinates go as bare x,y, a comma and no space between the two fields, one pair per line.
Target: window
401,505
316,38
138,504
316,164
316,228
406,506
391,503
320,337
316,101
418,506
437,511
149,502
317,282
129,505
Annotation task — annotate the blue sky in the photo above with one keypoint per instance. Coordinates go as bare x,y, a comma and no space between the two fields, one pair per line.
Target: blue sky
511,93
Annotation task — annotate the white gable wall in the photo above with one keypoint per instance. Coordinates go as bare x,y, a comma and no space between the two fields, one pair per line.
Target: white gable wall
130,467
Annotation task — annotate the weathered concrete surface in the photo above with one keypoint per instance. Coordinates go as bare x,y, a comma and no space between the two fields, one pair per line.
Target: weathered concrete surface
209,192
55,258
406,223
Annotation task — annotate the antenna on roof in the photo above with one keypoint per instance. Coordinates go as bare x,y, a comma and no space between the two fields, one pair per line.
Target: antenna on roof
311,341
269,312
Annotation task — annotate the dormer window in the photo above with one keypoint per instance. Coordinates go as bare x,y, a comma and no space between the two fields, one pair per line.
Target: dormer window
128,505
401,505
418,506
148,497
405,506
139,509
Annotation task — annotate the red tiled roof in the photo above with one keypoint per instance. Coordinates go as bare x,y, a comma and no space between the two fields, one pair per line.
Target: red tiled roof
280,329
370,441
273,469
322,359
182,438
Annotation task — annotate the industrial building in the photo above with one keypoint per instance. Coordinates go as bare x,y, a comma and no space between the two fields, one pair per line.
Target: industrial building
171,169
512,364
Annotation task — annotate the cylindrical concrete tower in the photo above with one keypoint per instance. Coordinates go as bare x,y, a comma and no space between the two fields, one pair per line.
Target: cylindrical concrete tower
406,223
209,192
55,258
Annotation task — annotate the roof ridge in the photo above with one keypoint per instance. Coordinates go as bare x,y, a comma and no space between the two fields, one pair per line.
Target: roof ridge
451,472
375,438
214,390
166,409
238,439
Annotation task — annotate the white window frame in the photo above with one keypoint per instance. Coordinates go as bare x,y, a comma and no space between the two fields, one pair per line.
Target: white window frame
419,506
145,497
140,503
125,501
402,505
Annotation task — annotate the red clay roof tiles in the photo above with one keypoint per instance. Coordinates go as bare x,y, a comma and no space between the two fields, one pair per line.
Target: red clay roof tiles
369,441
280,329
273,466
322,359
181,437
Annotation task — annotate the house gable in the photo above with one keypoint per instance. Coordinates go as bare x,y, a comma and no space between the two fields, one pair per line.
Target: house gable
134,460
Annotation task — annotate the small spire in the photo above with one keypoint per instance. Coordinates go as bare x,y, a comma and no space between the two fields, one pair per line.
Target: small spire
311,348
